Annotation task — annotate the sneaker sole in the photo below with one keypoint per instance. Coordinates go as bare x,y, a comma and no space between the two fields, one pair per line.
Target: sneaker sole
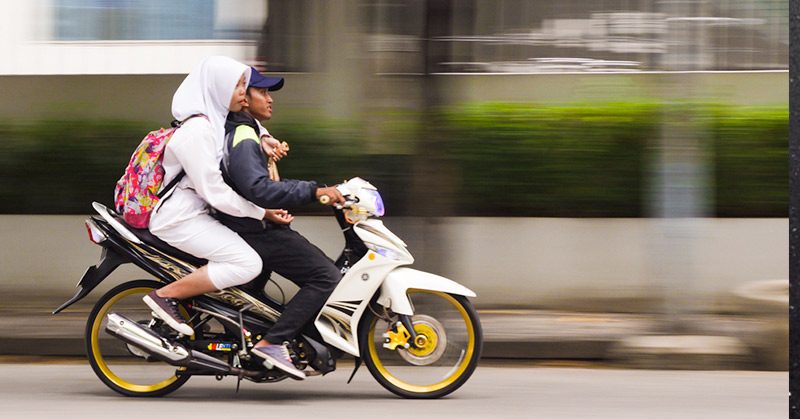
294,373
161,314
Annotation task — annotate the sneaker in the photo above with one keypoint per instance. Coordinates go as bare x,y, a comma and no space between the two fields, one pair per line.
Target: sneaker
167,309
278,356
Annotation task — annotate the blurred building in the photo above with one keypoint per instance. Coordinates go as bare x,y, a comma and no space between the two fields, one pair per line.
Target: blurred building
394,36
40,37
520,36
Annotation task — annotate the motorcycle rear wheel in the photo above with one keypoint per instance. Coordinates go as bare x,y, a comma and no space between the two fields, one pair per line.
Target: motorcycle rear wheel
452,338
122,367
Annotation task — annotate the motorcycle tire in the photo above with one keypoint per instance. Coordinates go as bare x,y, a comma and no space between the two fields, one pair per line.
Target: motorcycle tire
446,354
122,367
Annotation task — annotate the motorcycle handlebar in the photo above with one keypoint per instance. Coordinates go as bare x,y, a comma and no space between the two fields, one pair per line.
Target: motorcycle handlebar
325,200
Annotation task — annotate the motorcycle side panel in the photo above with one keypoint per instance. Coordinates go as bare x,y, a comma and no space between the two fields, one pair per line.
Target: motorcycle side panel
394,287
338,320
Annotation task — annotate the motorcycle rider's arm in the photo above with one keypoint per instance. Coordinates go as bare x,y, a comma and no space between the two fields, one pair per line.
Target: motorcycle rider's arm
248,171
193,146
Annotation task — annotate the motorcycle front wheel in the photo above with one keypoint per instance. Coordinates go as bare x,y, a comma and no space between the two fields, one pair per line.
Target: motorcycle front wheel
125,368
449,346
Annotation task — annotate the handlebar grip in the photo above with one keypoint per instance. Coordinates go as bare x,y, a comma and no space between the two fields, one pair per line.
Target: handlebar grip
324,199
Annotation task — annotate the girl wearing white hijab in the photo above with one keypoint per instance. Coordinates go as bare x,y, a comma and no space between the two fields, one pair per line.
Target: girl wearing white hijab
182,218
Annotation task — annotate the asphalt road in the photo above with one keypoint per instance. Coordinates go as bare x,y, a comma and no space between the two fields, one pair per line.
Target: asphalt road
507,390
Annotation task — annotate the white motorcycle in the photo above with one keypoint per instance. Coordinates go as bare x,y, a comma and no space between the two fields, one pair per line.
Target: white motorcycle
417,333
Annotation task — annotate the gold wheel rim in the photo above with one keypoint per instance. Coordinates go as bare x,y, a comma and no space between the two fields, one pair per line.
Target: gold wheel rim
98,356
447,381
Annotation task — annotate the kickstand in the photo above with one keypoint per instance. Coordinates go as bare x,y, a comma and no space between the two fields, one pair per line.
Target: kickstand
358,364
239,381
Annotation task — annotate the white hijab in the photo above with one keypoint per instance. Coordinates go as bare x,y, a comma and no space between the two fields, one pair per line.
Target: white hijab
208,90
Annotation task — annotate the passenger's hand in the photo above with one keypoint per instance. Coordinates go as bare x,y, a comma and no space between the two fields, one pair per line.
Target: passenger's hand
274,148
278,216
335,197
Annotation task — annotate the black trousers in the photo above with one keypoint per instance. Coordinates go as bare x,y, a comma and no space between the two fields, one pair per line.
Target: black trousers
287,253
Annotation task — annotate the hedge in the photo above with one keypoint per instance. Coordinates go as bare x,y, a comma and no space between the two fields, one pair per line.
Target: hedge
523,160
598,161
502,159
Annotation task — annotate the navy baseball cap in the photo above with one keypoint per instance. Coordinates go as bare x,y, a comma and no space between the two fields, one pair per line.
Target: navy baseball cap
271,83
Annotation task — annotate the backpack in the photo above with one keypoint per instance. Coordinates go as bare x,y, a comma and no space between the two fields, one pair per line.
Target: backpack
136,193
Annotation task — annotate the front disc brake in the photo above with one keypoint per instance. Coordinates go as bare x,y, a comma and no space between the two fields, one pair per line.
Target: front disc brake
430,343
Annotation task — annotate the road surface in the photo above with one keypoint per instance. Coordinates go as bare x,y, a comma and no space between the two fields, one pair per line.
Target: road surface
496,390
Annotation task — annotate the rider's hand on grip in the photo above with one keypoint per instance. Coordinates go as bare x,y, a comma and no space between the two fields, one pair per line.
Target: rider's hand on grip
330,196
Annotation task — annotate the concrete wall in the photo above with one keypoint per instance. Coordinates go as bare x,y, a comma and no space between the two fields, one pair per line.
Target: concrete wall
614,264
582,264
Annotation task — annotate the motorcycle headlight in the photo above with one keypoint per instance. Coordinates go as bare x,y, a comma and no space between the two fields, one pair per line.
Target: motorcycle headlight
374,200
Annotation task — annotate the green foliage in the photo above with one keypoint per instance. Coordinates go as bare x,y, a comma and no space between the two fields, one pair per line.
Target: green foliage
590,160
525,160
320,150
751,162
330,152
596,160
61,166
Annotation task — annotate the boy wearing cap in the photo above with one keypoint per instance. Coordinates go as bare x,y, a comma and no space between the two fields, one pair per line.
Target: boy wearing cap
245,167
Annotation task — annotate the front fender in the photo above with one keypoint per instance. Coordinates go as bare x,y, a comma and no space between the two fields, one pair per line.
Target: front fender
400,280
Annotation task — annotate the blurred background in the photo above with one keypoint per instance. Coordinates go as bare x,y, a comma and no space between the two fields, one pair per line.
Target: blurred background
612,156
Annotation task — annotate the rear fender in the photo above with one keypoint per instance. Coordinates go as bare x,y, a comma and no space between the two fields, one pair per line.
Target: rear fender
394,287
94,275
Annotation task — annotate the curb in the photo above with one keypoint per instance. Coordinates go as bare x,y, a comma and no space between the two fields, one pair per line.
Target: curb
623,340
686,352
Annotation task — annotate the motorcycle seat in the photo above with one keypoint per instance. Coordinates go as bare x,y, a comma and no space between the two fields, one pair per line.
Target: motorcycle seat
148,238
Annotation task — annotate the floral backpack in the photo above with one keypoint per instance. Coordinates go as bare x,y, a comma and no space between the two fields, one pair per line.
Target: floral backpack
137,191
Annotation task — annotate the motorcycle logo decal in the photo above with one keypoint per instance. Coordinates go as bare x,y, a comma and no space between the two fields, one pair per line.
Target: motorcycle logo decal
175,268
346,307
219,347
338,325
239,298
337,316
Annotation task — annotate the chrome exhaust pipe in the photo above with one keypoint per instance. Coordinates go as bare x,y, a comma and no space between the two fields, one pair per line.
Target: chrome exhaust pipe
149,341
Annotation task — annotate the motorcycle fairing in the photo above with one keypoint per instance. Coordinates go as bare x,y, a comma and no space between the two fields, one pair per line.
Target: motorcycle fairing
122,245
339,318
394,287
118,250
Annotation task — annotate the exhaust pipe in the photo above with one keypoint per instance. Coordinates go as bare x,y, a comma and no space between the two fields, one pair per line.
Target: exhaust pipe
135,334
146,339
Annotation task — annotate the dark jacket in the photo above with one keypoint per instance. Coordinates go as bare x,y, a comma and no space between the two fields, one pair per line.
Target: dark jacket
244,168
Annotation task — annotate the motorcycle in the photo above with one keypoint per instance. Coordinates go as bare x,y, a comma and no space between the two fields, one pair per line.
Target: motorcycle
417,333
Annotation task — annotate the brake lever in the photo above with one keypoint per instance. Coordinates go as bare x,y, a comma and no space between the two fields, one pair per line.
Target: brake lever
347,204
